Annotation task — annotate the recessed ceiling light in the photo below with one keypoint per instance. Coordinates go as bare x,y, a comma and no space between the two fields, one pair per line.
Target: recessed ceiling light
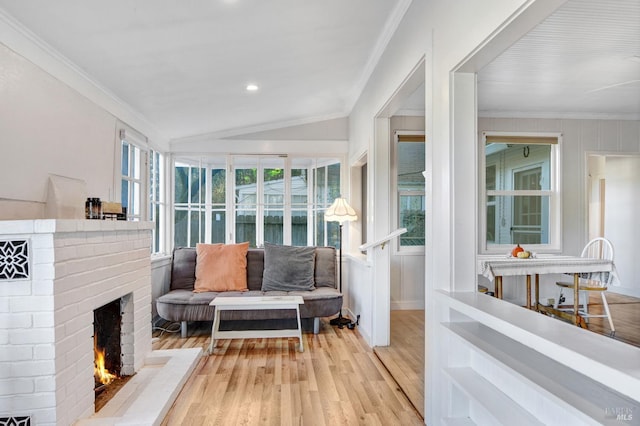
252,87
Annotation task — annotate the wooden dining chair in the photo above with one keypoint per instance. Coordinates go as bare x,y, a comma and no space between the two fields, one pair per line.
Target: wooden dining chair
598,248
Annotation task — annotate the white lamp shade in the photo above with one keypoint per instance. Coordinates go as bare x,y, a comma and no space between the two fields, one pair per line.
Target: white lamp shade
340,211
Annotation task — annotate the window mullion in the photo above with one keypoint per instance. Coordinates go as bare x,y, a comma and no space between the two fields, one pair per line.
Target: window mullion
286,204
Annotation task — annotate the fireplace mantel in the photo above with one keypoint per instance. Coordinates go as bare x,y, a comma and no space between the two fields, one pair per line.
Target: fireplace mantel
53,274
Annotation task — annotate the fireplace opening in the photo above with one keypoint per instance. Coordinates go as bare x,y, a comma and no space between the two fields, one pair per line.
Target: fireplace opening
107,333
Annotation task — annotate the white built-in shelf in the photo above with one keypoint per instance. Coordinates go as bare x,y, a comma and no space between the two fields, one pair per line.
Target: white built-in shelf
497,404
607,362
585,398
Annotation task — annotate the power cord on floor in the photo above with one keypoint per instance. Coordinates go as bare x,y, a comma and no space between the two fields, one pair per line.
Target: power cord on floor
173,327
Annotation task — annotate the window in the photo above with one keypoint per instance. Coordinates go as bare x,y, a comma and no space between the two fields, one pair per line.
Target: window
133,165
256,199
520,202
410,199
157,203
189,204
142,175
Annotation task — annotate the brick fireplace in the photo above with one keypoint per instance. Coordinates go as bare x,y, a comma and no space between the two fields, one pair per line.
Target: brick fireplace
53,275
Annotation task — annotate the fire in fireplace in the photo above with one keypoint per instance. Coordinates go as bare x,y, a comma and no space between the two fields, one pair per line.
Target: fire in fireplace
107,324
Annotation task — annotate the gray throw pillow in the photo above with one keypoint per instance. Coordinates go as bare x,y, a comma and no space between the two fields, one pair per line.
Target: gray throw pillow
288,268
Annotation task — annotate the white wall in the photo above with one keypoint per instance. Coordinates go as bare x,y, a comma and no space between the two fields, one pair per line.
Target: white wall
46,127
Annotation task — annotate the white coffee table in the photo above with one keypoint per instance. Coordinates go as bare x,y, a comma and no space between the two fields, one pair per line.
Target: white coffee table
250,303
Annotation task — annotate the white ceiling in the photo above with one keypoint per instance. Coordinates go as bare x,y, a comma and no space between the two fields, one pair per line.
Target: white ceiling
184,65
583,61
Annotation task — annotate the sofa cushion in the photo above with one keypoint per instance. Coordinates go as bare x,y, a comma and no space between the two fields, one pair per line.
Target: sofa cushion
288,268
255,268
221,267
325,269
183,268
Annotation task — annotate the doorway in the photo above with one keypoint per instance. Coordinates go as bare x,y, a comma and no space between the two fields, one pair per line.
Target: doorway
401,347
613,202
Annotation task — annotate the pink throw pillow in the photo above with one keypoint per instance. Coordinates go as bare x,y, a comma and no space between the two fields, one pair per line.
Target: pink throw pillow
221,267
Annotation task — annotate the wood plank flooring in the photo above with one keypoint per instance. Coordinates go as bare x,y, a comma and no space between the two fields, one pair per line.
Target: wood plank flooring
337,380
404,357
625,312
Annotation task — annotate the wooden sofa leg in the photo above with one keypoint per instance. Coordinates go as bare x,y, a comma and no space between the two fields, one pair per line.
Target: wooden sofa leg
183,329
316,325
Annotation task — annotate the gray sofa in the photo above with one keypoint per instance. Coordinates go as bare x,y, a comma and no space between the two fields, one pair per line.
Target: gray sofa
182,305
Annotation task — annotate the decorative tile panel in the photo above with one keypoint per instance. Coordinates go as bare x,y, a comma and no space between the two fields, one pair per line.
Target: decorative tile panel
15,421
14,261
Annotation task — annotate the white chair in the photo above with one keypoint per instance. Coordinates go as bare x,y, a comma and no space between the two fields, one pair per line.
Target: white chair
598,248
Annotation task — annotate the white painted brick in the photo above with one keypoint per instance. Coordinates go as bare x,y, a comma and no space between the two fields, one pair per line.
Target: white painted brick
45,384
42,287
16,386
32,368
84,325
9,321
34,335
43,320
92,225
41,241
66,313
10,227
60,270
66,253
39,400
43,272
66,225
4,304
15,288
97,238
16,353
4,338
44,417
46,226
43,352
43,255
31,304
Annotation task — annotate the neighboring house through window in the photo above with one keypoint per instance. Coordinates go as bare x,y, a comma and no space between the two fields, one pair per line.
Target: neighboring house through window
520,202
409,164
272,199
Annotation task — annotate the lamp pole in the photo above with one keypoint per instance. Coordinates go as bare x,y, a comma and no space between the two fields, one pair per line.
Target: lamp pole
340,211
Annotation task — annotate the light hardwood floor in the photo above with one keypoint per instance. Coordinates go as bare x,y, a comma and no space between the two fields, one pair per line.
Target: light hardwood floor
337,380
404,357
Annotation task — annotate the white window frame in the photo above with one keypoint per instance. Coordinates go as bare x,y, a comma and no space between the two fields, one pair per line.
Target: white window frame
555,204
135,141
161,202
396,194
231,163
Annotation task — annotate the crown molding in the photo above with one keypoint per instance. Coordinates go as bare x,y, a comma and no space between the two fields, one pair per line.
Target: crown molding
27,44
559,115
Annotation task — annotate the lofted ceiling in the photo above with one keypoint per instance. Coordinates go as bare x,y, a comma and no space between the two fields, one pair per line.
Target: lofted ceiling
184,66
